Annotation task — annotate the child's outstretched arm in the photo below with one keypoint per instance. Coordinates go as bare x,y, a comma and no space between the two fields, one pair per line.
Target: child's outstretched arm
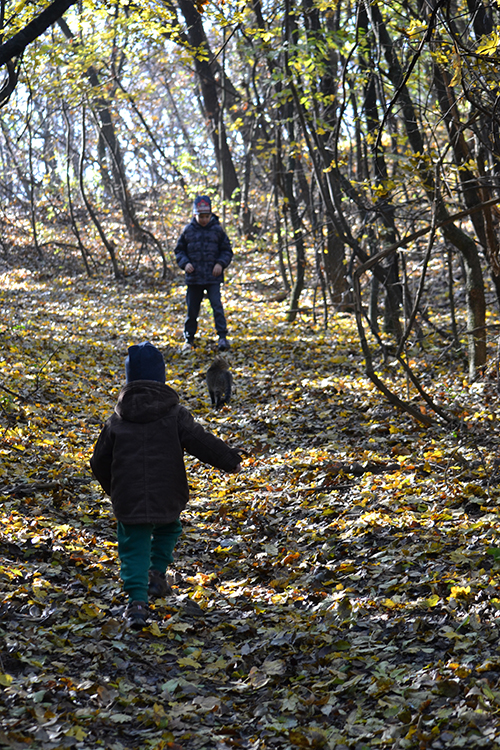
205,446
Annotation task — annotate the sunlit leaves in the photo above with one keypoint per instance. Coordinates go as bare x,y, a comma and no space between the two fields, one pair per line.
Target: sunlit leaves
346,581
489,44
416,28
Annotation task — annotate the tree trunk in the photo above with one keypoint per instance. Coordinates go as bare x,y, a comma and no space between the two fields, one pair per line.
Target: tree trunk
107,135
476,304
15,46
383,207
474,193
209,90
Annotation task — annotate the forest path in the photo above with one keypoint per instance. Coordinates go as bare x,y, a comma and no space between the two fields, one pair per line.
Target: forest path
347,580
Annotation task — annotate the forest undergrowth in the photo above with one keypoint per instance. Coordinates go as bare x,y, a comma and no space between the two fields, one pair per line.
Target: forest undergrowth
343,591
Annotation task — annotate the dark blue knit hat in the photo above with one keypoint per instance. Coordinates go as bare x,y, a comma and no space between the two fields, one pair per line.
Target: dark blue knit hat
202,205
144,362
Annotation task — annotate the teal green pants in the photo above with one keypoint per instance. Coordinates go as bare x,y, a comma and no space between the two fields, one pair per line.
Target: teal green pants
141,547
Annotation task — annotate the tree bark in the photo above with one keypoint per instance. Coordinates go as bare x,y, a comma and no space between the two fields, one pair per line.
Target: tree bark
15,46
209,90
474,193
384,208
476,303
108,136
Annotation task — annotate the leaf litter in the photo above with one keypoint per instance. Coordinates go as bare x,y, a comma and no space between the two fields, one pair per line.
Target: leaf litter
341,592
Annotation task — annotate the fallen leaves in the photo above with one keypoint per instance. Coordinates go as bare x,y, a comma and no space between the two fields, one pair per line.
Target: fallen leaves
342,591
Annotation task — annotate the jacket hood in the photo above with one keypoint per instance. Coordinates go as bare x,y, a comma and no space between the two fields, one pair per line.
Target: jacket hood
145,401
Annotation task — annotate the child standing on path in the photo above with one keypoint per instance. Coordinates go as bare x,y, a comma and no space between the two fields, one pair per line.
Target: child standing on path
203,250
139,461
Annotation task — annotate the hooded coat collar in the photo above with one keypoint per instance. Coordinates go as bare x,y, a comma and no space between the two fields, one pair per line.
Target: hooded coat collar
143,401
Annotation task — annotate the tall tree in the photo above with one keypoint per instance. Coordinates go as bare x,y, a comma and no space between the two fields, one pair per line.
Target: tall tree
213,110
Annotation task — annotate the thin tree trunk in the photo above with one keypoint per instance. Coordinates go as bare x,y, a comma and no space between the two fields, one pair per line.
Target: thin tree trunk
473,191
451,298
74,226
277,223
107,133
107,243
384,208
32,191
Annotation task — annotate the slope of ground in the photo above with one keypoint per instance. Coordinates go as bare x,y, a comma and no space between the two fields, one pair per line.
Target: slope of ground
341,592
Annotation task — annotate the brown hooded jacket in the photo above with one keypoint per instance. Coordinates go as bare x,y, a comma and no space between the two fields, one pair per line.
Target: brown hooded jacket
139,456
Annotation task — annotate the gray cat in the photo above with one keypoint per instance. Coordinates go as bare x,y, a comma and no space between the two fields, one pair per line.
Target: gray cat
220,382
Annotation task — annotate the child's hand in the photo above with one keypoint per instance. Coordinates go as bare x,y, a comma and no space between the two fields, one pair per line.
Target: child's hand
217,270
189,268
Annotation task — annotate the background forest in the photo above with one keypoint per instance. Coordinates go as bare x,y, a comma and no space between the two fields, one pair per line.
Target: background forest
343,591
354,146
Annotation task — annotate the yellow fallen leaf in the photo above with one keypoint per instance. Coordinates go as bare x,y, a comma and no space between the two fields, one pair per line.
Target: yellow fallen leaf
459,592
155,629
187,661
389,603
77,732
432,600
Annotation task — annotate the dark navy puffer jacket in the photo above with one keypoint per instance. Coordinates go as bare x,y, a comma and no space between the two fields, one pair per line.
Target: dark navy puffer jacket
203,247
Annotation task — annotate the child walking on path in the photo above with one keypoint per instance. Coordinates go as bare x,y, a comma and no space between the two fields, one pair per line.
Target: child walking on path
203,250
139,461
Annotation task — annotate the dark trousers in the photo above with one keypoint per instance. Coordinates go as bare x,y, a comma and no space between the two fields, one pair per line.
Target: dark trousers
141,547
194,296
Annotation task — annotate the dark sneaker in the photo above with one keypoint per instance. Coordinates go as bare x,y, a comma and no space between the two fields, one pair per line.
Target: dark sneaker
222,344
188,346
192,608
158,587
136,615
